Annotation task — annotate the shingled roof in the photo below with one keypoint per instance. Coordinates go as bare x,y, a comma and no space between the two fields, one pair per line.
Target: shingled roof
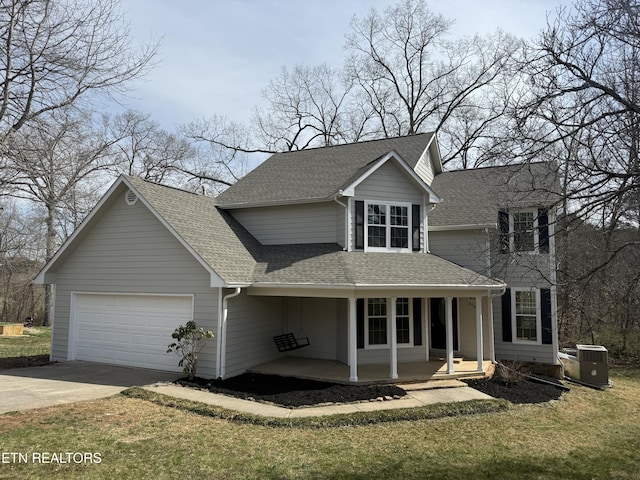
316,174
328,265
474,196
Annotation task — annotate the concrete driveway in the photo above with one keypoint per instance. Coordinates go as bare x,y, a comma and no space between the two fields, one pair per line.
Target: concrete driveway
68,382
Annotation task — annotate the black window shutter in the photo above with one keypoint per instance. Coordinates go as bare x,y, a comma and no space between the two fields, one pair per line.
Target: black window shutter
417,321
543,230
359,225
545,307
506,316
415,227
503,225
360,322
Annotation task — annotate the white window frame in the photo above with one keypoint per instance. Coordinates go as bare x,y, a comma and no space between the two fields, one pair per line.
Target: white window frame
514,325
369,346
387,226
512,232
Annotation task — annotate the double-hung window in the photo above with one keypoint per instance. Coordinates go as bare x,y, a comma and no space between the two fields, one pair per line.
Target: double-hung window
524,231
388,226
378,320
526,315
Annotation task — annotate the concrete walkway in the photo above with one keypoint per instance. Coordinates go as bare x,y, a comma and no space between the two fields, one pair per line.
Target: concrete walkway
68,382
416,397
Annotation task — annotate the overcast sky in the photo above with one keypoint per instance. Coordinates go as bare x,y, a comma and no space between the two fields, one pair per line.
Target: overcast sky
217,55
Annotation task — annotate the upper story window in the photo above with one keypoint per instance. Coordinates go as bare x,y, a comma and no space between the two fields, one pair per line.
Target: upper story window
388,226
524,230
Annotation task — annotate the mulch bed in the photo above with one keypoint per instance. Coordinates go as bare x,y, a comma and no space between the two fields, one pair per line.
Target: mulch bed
522,391
296,392
19,362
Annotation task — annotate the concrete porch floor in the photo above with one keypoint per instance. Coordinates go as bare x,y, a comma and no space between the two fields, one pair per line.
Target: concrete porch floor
338,372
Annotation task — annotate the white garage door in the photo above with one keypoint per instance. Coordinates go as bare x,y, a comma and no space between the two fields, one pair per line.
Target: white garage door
129,330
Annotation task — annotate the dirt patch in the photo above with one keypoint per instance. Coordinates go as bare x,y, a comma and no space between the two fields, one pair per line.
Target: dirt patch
19,362
295,392
522,391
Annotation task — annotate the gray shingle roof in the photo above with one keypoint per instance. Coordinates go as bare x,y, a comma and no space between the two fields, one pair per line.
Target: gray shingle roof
328,265
474,197
215,236
318,173
234,254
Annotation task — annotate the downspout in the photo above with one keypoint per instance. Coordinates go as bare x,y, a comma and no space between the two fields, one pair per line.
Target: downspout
221,364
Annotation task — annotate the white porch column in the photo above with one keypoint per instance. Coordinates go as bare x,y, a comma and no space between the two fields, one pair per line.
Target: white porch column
479,344
394,338
353,341
449,330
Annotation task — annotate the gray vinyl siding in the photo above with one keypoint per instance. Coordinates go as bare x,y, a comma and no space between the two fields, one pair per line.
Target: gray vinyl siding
517,351
389,184
467,248
130,251
424,167
252,322
289,224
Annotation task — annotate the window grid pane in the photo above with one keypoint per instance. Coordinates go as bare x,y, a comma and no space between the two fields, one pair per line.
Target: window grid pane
377,214
377,237
399,237
377,312
526,318
399,216
523,235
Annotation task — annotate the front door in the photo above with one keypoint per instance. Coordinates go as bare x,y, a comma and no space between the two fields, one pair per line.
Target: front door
439,324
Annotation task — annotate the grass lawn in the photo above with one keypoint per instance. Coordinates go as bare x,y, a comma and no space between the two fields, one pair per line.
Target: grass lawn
34,341
587,434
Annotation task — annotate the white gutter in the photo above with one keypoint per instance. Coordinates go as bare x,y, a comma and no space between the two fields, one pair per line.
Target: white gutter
223,312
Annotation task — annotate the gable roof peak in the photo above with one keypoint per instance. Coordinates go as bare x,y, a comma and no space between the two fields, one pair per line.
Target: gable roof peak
317,174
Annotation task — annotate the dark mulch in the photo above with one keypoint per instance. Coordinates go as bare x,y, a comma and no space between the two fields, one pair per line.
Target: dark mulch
295,392
19,362
523,391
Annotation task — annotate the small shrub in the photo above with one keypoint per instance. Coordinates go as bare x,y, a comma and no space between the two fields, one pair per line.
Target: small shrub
190,340
511,371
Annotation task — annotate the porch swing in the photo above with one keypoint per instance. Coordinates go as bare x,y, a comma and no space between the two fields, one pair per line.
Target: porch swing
287,342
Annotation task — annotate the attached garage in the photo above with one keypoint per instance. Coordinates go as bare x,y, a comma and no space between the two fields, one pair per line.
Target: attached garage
132,330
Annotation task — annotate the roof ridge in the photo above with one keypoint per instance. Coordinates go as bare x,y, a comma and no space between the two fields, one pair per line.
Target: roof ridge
353,143
522,164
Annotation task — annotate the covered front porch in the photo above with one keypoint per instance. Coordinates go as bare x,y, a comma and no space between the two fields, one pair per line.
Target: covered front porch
408,372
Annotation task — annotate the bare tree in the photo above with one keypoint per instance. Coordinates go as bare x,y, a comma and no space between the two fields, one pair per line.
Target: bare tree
144,149
52,158
309,106
55,54
415,79
582,108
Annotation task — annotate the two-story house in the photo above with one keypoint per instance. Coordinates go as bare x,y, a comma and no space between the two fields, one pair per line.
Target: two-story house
373,254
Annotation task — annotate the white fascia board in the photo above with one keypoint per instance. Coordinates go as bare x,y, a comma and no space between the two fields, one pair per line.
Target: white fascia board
377,287
434,146
471,226
349,190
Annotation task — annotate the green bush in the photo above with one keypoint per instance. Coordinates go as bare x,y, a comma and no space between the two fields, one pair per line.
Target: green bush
190,340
